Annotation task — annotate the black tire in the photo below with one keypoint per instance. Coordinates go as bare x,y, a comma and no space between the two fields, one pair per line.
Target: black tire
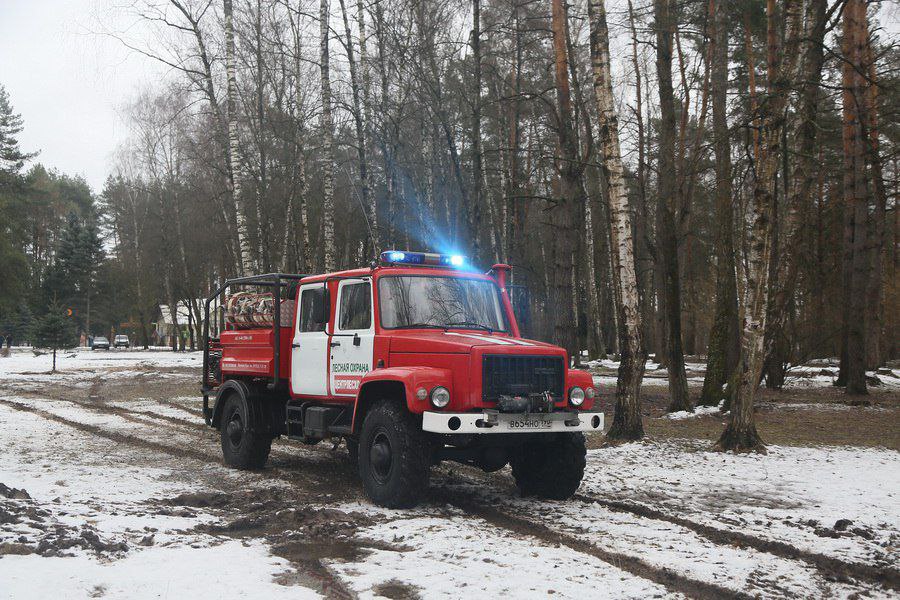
551,469
394,456
244,444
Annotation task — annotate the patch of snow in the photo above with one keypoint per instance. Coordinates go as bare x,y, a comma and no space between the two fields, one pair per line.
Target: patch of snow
229,570
791,494
77,482
698,411
463,556
81,363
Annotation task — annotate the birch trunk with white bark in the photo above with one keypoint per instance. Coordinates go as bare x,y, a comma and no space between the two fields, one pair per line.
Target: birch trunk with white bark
327,124
627,423
740,434
245,258
362,139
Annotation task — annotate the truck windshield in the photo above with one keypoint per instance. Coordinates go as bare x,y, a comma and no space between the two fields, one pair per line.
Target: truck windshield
439,302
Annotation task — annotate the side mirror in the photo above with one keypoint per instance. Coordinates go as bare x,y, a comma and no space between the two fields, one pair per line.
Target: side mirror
320,307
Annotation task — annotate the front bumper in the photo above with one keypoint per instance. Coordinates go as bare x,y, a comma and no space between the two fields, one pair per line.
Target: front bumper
490,421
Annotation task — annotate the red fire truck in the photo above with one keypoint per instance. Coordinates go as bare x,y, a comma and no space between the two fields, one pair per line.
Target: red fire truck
412,361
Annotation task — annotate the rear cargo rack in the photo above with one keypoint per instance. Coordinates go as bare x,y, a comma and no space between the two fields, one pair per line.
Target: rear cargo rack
273,280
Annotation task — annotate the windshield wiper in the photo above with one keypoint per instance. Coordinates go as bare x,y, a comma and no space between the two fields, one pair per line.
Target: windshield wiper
469,325
419,326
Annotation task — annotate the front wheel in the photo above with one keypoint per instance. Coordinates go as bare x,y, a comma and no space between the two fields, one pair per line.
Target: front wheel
394,456
550,469
244,445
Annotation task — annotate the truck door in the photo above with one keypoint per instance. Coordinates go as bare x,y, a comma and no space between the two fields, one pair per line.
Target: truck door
309,354
353,344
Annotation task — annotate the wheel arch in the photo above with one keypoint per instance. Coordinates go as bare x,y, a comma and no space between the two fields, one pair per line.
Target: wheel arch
228,388
399,383
372,391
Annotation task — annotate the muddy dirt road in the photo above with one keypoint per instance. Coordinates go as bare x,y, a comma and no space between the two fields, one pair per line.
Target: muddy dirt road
111,486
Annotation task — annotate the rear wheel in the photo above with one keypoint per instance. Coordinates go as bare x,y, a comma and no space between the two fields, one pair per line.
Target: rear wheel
244,444
550,469
394,456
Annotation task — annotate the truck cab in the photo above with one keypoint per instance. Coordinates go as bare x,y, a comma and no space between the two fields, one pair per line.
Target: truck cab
414,360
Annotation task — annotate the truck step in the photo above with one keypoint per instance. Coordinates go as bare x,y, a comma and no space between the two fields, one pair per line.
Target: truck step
340,430
294,420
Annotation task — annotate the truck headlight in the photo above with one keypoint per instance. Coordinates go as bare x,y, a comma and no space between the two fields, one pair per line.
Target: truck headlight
440,397
576,396
590,393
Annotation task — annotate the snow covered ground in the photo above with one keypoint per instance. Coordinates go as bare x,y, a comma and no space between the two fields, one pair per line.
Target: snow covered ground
106,491
79,364
819,373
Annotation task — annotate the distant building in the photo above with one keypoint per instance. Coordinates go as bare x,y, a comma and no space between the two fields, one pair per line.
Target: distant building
166,328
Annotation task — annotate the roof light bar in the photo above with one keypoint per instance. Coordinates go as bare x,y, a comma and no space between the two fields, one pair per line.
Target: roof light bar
429,259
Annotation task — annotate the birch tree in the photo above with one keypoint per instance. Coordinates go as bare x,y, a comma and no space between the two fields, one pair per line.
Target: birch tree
740,434
245,260
367,200
327,124
627,423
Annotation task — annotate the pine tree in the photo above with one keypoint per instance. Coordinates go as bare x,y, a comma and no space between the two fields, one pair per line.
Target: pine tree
54,330
12,158
13,264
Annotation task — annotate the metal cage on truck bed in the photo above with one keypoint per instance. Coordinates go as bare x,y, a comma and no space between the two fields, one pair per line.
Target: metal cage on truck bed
268,280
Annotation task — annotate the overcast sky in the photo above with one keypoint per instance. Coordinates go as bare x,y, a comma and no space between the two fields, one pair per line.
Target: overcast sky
68,83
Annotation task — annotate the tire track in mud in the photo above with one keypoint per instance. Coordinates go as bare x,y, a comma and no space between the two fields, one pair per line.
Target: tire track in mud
330,584
520,526
301,474
832,567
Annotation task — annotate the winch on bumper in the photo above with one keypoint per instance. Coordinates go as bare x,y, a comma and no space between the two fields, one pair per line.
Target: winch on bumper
494,421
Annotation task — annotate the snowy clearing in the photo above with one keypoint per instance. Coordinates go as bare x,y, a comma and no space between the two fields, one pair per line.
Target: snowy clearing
113,487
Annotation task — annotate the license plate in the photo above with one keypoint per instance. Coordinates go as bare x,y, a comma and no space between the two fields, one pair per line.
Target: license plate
529,423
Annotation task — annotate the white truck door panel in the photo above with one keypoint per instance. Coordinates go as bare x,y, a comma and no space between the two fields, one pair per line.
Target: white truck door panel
309,354
353,344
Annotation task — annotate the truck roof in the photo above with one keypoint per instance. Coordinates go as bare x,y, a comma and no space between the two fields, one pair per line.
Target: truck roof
400,269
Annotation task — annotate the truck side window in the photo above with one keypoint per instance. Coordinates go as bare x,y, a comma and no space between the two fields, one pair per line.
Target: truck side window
356,306
309,299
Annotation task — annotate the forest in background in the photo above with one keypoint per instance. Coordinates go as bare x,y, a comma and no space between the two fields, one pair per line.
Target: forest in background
671,177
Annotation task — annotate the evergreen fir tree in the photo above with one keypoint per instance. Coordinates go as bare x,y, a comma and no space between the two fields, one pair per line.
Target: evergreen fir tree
54,330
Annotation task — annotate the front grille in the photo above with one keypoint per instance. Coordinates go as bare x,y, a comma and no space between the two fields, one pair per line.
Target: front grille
516,375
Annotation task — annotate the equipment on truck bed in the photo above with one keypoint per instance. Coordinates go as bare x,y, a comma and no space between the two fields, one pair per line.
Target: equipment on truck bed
414,360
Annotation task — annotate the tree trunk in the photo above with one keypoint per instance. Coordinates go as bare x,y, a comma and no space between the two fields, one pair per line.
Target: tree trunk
477,166
571,188
327,142
361,137
875,337
386,140
245,259
667,238
263,260
627,419
643,250
856,194
725,341
740,434
804,176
